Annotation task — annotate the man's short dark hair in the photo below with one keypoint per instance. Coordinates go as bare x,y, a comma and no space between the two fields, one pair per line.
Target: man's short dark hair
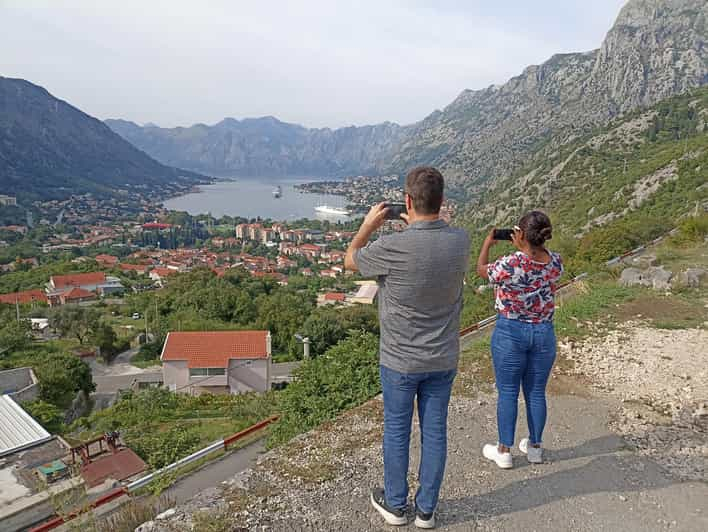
425,184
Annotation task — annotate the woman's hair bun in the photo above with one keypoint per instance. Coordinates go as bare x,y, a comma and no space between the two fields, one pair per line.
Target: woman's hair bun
536,227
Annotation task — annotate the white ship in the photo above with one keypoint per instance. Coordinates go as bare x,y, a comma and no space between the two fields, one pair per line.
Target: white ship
337,211
277,192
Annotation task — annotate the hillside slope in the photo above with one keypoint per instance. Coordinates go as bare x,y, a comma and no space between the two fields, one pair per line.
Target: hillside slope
616,187
656,49
266,146
50,149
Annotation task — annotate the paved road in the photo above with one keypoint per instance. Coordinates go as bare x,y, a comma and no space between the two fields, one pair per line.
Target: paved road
214,473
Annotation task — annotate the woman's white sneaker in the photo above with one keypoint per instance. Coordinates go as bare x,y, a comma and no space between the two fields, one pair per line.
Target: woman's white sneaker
533,454
503,460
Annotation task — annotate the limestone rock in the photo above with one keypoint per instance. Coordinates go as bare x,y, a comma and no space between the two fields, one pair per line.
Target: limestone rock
692,277
632,277
659,278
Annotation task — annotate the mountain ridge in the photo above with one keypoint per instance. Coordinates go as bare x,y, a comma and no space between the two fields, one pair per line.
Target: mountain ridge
51,149
655,49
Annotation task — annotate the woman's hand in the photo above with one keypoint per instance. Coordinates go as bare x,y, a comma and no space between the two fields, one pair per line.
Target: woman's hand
517,236
483,259
490,241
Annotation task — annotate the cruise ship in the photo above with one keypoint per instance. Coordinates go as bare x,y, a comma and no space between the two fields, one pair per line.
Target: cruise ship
326,209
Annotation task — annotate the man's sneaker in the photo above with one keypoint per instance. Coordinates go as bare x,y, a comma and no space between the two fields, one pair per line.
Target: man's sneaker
503,460
533,454
423,520
393,516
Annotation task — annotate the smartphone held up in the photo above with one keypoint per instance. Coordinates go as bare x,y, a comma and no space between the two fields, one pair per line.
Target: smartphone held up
394,210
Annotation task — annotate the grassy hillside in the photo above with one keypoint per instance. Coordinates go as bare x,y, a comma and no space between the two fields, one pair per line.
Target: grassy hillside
615,188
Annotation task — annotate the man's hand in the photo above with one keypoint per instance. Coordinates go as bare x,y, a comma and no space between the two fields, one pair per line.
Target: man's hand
375,218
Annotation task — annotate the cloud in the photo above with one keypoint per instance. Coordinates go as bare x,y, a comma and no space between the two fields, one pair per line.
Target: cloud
319,63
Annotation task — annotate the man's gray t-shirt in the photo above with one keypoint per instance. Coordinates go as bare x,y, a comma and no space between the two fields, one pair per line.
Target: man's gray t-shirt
420,273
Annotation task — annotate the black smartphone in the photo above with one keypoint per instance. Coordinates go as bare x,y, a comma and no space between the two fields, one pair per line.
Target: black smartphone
503,234
395,209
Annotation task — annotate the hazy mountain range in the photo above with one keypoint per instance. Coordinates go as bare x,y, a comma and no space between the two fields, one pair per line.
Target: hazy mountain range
656,48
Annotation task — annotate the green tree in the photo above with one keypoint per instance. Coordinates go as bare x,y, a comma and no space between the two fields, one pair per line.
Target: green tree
60,376
344,376
105,338
14,335
47,414
75,321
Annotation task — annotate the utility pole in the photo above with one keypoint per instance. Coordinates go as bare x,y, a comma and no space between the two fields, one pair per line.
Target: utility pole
146,325
17,309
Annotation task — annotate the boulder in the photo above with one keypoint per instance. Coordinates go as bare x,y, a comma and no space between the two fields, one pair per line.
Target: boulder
692,277
658,278
644,261
632,277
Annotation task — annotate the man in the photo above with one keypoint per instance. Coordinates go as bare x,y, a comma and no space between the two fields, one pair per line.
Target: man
420,272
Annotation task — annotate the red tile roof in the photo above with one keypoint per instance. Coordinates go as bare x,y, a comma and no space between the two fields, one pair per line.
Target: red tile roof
106,259
334,296
27,296
133,267
163,272
214,349
77,293
78,279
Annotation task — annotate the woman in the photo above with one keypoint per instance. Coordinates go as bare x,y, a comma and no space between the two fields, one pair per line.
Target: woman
523,342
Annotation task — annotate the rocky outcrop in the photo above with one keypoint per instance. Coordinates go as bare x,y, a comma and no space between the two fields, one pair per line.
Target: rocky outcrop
655,49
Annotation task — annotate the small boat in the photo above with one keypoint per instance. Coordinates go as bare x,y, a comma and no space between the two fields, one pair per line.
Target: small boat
277,192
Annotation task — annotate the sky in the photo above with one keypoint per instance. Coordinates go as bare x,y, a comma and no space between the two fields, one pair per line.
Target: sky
319,63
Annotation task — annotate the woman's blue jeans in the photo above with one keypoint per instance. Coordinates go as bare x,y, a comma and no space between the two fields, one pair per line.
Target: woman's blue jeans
433,393
523,356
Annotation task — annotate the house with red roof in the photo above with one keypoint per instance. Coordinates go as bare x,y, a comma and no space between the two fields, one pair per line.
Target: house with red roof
24,297
140,269
331,298
96,282
106,260
218,362
76,295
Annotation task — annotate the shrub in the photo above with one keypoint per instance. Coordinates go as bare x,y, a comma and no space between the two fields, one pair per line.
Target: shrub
345,376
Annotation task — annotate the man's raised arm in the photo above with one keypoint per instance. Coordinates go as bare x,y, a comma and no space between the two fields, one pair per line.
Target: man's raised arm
374,219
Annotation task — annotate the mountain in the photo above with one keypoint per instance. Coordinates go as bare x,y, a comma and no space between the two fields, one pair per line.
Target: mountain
266,146
656,49
50,149
615,188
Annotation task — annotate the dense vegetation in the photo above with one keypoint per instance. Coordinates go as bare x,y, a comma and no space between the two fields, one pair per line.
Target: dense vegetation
200,300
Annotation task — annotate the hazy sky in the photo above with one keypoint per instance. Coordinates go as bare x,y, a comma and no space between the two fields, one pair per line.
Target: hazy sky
318,63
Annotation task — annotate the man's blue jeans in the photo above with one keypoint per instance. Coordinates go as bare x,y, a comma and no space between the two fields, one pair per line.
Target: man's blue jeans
433,393
523,355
